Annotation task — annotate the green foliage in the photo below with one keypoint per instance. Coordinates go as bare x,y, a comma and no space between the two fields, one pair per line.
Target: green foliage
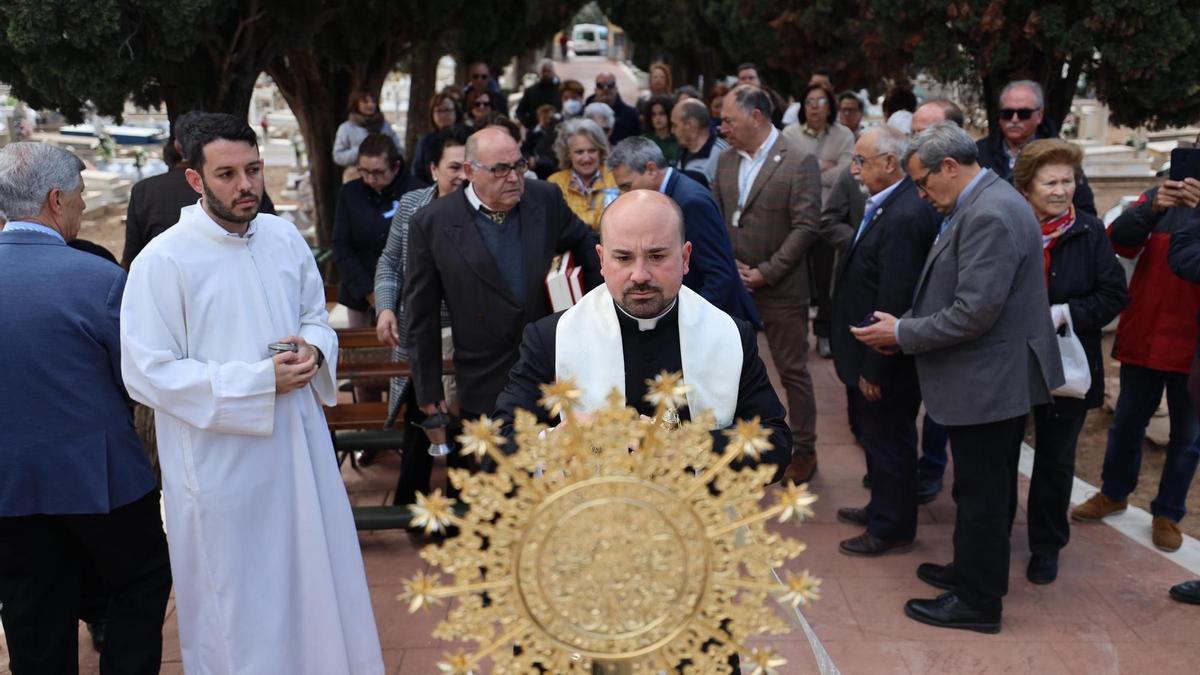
1138,54
707,37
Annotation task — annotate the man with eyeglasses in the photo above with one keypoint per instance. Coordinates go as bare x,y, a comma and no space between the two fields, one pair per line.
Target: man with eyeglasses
485,251
980,332
1022,120
626,122
480,76
879,271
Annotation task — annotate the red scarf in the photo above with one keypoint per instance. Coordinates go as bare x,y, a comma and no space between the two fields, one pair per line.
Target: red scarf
1052,230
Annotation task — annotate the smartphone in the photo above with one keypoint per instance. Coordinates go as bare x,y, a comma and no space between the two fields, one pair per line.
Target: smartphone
869,320
281,347
1185,163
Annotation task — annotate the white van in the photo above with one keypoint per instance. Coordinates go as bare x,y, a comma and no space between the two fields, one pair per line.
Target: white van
589,38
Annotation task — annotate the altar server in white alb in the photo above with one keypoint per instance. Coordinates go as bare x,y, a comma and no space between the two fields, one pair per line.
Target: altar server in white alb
643,320
268,572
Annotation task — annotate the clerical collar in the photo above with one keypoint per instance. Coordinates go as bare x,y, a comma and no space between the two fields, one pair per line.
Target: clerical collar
646,324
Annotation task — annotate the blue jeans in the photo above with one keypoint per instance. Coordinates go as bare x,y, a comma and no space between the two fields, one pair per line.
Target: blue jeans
1141,391
933,449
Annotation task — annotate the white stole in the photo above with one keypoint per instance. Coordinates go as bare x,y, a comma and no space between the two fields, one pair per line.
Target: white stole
588,348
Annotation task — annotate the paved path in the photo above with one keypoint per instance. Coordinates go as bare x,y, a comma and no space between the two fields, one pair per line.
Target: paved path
585,69
1108,613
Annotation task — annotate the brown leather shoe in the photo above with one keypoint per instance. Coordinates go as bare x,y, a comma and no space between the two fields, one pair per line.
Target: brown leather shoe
1165,534
802,468
866,545
1098,506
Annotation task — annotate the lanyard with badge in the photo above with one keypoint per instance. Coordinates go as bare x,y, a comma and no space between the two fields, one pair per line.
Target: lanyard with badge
744,183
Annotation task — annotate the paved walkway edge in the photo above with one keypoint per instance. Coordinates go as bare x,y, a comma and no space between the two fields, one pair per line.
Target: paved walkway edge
1134,523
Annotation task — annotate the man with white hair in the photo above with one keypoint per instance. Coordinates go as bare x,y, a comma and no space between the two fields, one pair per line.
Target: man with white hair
603,116
980,332
879,271
77,494
1023,120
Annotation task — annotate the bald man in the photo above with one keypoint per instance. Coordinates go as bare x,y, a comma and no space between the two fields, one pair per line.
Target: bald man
485,251
629,329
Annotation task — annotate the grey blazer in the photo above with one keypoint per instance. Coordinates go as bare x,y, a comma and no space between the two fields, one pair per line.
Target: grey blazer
980,324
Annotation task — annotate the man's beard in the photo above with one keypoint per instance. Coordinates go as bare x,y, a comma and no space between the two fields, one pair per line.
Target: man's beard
647,306
225,211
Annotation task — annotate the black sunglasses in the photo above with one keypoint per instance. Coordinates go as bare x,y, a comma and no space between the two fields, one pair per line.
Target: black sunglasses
1021,113
606,85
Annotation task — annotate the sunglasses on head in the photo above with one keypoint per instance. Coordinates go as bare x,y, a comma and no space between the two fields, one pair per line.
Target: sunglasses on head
1020,113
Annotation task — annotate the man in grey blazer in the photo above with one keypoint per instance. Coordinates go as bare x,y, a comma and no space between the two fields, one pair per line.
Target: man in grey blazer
985,355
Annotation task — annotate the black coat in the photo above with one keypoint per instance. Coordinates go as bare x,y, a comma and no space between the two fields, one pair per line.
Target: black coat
540,94
1085,274
657,352
447,260
992,156
626,120
879,272
360,230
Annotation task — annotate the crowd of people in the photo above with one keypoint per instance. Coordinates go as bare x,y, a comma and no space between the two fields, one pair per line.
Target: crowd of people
960,287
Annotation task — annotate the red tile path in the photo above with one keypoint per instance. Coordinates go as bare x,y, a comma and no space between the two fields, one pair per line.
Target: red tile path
1108,612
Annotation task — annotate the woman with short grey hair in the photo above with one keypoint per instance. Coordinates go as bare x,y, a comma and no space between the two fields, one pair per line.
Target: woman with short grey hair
586,184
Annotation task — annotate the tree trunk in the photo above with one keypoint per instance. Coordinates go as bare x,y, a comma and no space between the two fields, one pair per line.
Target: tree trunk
318,102
422,86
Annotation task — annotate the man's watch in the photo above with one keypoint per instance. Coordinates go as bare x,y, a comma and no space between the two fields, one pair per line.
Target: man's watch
320,356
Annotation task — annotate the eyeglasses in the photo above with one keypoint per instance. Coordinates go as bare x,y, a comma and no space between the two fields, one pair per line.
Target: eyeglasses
859,160
920,182
501,169
445,111
606,85
1021,113
850,110
816,102
479,76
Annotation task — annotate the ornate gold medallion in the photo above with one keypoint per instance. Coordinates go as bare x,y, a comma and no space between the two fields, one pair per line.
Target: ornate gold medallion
612,539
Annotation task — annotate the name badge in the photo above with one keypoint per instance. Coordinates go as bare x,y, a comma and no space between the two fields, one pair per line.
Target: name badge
737,218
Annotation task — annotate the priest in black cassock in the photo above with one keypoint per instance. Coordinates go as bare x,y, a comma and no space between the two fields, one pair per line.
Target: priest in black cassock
643,321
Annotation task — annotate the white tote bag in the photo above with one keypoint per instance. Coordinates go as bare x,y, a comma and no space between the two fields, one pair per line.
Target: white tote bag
1074,364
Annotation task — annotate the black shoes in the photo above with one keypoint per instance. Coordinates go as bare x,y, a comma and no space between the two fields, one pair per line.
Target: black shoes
949,611
1188,591
866,545
853,515
938,576
1043,568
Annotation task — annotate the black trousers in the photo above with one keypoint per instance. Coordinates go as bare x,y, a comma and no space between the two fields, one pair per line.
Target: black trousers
889,434
985,487
40,587
1056,431
820,282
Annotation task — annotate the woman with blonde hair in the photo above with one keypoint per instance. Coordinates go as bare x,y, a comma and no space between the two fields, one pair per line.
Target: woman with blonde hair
586,184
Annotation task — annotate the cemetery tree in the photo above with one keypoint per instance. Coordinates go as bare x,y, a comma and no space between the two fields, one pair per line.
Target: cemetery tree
709,38
1139,57
186,54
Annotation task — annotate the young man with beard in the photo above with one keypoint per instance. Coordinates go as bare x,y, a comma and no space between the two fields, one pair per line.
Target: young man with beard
269,576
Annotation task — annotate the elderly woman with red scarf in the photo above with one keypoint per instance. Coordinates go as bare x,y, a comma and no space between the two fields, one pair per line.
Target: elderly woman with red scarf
1086,286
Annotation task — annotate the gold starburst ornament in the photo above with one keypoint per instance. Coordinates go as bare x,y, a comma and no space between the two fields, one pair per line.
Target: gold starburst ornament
611,540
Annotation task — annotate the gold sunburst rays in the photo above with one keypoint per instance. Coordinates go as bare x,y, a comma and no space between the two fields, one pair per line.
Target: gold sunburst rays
600,541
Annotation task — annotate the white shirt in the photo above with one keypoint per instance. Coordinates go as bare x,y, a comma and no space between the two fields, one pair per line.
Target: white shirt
751,164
